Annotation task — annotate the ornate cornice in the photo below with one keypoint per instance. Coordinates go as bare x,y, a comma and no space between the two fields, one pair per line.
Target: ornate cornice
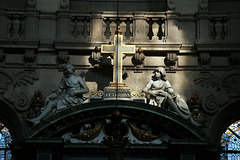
59,123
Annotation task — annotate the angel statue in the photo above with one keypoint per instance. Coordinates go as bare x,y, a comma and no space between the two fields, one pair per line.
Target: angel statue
160,93
69,93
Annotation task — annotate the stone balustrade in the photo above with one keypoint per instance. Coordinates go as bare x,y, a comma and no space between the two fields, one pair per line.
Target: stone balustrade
64,26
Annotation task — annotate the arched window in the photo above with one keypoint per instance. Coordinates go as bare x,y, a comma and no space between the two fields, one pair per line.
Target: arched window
5,141
230,142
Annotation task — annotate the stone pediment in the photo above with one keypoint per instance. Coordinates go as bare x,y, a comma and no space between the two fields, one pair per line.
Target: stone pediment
100,117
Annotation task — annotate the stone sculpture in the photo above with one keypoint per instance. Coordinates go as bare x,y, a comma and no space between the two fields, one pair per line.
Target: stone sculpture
69,94
160,93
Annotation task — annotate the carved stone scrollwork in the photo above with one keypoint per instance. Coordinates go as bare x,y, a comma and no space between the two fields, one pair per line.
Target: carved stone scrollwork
10,83
99,93
29,57
22,101
63,58
204,59
170,61
135,94
222,89
210,104
96,57
138,58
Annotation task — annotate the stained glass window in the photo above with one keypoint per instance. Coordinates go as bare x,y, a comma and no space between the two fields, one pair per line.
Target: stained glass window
5,141
230,142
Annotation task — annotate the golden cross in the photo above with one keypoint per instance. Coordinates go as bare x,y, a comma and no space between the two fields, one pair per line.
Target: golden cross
117,49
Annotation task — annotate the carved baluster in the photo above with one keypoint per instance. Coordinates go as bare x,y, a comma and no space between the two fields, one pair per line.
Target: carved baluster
128,33
218,30
74,31
107,32
85,29
163,29
80,27
212,28
16,24
22,27
104,27
9,26
88,27
148,28
113,27
155,29
131,30
225,28
123,28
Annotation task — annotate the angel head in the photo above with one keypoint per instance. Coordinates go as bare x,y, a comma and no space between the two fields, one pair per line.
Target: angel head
160,73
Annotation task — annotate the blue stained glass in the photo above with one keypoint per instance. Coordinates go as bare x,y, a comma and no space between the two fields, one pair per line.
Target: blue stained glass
230,142
5,142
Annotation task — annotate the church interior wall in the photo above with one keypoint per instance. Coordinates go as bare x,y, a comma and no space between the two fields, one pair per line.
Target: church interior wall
49,38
